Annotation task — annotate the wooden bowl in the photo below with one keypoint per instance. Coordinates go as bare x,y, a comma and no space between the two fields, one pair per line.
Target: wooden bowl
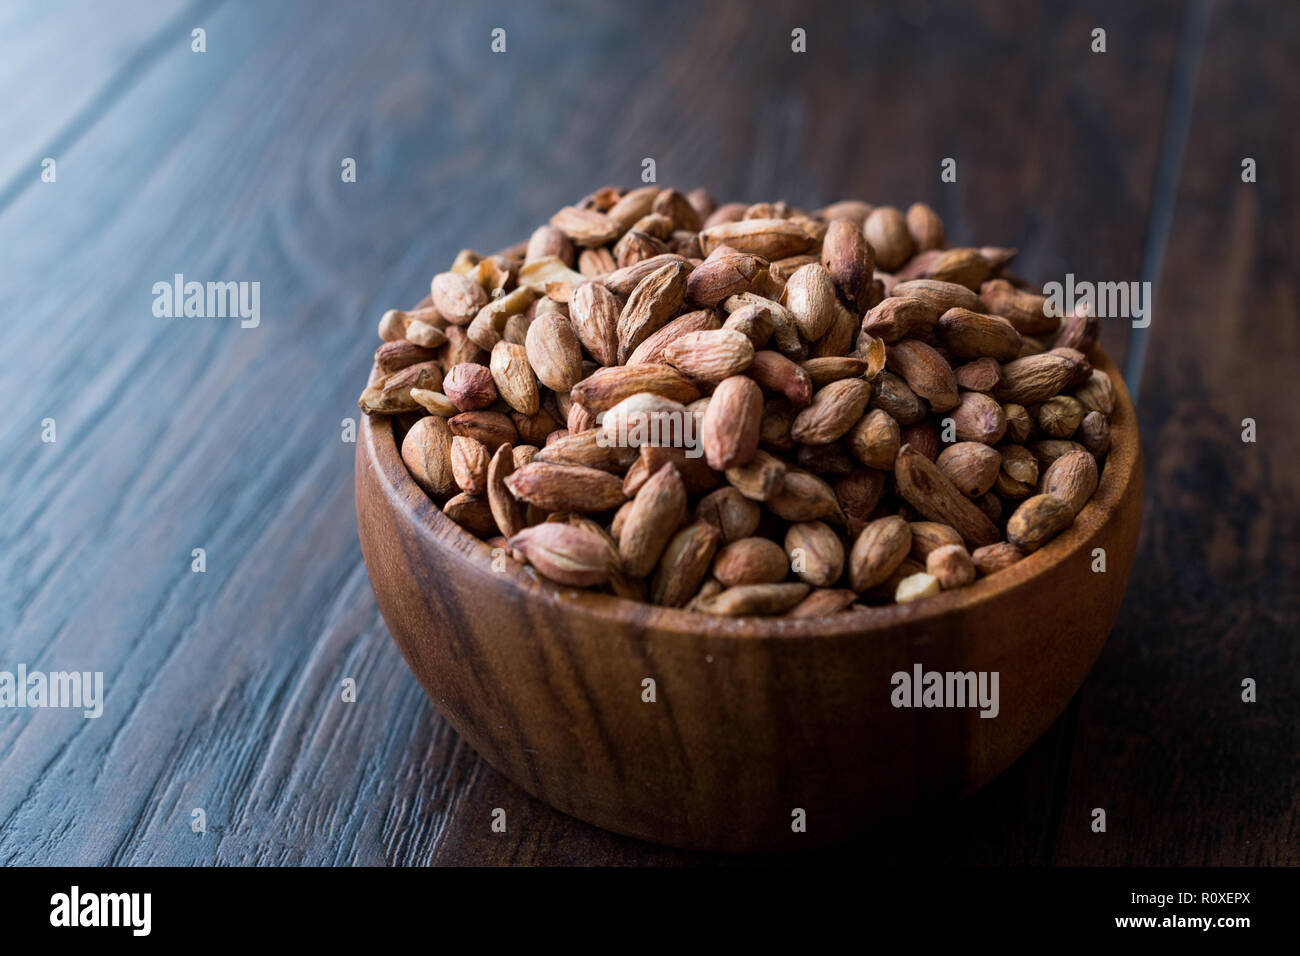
753,719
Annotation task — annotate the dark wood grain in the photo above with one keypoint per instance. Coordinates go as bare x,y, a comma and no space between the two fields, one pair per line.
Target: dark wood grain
224,688
1190,774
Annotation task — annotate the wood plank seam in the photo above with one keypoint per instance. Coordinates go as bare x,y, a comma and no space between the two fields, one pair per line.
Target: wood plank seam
1169,168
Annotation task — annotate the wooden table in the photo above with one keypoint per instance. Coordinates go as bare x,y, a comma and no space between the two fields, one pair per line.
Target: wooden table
223,688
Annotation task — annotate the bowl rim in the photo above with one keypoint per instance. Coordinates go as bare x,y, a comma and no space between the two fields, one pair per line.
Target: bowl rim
1123,464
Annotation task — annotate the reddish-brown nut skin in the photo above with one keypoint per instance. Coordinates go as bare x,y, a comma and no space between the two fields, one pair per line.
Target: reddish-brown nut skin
731,423
870,435
469,386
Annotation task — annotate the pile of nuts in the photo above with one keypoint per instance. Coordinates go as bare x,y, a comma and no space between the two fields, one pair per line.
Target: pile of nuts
746,409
